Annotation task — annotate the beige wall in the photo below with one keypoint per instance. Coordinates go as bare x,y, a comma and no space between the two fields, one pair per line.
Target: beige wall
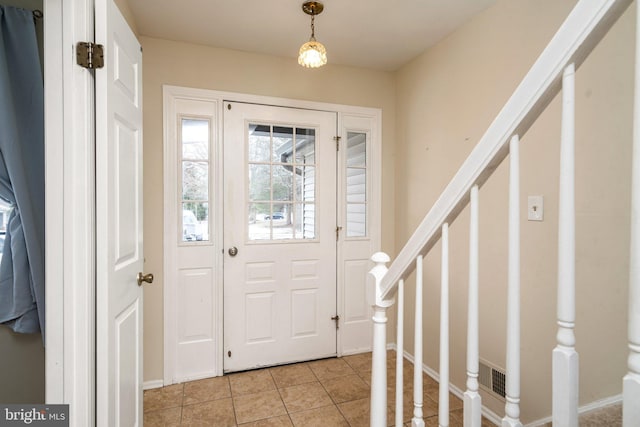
125,9
446,98
181,64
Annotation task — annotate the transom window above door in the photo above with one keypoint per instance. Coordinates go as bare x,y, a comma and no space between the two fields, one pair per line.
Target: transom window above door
281,182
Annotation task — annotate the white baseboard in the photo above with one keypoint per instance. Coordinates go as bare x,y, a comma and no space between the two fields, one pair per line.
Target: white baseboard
593,406
487,413
148,385
497,419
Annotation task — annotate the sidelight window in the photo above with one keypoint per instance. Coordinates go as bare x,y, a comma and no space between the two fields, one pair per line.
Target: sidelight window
356,183
195,162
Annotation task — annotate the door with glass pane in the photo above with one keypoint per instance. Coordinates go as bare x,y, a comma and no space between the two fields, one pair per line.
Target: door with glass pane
279,235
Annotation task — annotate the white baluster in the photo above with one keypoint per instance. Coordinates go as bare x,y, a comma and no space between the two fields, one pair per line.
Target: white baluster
512,406
472,399
417,420
565,358
400,356
443,401
379,362
631,382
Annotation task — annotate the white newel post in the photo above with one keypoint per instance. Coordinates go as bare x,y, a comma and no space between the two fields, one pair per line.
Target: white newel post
472,399
512,406
565,357
379,362
631,382
443,400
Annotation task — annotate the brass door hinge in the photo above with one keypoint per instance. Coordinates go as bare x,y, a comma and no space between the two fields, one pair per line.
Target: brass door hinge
337,140
90,55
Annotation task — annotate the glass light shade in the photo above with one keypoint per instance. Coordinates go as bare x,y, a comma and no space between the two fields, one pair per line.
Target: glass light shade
312,54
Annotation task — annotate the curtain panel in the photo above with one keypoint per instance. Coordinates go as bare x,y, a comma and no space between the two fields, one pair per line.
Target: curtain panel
21,173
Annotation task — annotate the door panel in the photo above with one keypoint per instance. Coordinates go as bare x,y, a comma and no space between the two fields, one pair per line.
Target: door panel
118,222
280,216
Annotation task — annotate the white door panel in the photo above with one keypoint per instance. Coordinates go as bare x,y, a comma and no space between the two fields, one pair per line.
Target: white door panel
280,215
118,222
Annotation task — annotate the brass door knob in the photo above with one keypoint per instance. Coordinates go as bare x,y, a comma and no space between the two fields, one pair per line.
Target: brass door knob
233,251
144,278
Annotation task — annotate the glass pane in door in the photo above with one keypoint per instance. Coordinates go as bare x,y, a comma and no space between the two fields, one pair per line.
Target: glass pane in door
281,182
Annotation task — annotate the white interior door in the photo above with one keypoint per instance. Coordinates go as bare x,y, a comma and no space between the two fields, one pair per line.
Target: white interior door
118,221
279,234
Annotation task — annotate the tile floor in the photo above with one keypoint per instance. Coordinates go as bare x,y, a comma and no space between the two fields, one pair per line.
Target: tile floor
323,393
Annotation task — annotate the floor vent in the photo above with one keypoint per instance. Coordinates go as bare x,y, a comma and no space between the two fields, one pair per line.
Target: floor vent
492,379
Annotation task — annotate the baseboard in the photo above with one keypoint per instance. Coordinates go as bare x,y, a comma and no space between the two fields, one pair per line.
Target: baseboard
148,385
585,409
497,419
487,413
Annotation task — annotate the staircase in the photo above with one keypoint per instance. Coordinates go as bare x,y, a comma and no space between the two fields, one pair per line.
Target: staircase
552,73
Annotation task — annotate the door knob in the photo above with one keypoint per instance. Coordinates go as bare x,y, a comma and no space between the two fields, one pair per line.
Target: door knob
144,278
233,251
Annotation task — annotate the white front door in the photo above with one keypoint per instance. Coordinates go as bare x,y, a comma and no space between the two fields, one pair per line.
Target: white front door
119,255
279,235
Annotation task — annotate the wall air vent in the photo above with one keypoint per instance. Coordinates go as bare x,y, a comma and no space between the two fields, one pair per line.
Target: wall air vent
492,379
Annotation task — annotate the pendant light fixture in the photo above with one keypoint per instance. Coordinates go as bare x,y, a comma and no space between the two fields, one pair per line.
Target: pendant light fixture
313,53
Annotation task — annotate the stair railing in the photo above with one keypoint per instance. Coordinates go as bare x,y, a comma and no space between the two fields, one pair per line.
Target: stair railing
554,70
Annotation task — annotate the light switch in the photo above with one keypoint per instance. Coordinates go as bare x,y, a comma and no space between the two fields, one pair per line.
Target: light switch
535,208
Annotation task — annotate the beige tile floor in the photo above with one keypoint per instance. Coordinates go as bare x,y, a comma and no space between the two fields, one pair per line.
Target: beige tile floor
323,393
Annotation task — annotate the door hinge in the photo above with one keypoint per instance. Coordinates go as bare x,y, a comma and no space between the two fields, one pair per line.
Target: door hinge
338,229
337,140
90,55
337,320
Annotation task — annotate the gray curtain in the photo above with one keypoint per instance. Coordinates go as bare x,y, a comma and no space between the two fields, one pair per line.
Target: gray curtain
21,172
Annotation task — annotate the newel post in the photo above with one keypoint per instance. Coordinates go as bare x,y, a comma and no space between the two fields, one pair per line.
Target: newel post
379,363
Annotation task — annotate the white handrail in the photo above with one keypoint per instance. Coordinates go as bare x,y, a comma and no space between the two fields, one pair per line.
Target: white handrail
581,31
585,26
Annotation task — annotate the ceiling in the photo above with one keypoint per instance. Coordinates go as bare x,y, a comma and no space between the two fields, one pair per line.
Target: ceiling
375,34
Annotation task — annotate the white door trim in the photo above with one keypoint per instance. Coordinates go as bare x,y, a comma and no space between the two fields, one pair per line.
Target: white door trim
70,207
170,95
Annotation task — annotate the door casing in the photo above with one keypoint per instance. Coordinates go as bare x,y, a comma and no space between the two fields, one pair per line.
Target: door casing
70,211
172,95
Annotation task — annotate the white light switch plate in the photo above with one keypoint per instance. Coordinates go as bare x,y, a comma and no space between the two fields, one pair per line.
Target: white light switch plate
535,208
